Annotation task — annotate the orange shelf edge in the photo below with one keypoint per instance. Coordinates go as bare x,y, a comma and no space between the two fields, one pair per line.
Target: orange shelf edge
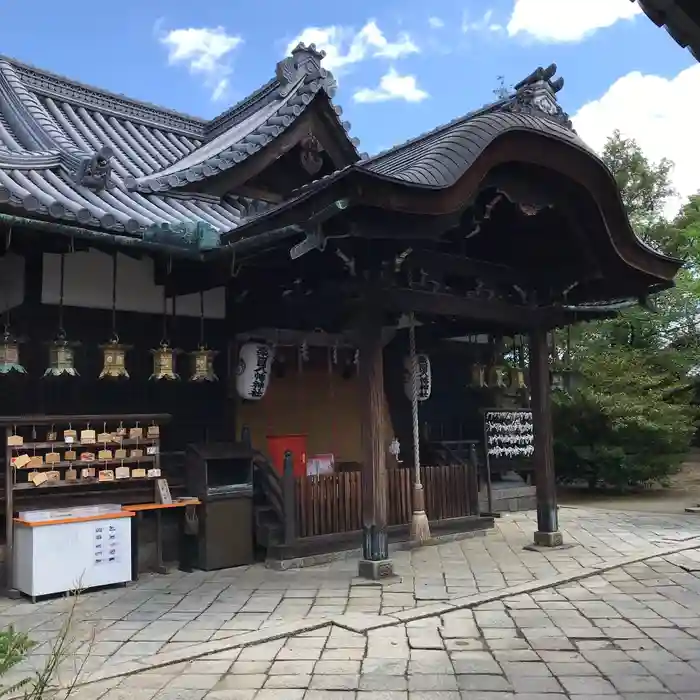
138,507
63,521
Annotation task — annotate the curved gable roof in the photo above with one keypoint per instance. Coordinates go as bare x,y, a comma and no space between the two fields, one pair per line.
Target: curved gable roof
444,157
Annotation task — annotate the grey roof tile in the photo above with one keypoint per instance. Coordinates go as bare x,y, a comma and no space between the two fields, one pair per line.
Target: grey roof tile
49,126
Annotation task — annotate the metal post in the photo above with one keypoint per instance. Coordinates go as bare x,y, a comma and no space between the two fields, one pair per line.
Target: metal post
9,521
289,498
487,470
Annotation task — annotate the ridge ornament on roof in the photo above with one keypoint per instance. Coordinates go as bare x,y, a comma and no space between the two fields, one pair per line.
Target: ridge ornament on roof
305,61
95,172
537,94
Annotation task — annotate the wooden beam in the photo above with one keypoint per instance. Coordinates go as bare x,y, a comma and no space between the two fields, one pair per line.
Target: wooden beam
259,193
230,180
375,563
547,534
457,265
492,311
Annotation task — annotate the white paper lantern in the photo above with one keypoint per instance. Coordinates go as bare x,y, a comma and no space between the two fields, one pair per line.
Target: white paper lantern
425,377
253,373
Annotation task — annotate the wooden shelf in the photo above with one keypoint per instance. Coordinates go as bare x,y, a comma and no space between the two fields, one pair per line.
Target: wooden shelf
37,420
28,486
60,444
127,462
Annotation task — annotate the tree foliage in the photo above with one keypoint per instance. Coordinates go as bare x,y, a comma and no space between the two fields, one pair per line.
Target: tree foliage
632,418
645,187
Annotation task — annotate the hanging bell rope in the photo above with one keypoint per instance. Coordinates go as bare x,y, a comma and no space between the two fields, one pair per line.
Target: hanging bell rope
61,331
202,344
114,298
420,527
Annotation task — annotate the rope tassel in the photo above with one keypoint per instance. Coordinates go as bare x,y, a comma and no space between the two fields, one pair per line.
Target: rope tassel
420,527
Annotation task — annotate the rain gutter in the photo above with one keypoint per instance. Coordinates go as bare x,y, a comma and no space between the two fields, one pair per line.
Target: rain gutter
99,236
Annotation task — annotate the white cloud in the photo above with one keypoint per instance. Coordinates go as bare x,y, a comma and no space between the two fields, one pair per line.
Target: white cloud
206,52
436,22
344,46
485,24
392,86
567,20
660,114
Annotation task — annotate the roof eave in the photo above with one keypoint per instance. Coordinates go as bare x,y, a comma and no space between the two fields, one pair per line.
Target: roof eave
677,18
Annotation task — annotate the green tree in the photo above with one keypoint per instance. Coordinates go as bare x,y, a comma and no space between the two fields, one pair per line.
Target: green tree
645,187
631,419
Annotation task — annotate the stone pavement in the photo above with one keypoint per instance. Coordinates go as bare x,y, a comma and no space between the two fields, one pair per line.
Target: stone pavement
178,613
630,633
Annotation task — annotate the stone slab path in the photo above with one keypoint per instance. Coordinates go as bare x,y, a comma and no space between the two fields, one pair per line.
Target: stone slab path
176,613
632,633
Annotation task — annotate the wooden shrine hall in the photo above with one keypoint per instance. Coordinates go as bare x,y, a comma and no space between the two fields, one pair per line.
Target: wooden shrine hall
280,258
502,222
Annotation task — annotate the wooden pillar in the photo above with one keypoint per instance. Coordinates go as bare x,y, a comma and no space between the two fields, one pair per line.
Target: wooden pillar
547,534
375,562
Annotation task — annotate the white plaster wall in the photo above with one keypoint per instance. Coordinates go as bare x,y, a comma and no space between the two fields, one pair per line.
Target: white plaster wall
11,281
88,284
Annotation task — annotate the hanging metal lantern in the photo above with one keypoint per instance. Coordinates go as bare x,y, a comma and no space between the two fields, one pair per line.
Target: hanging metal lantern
498,377
114,359
517,379
564,379
164,362
202,358
478,376
9,354
61,358
203,365
61,355
114,352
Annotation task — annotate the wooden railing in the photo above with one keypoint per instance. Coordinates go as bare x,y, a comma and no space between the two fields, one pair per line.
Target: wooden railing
332,503
328,504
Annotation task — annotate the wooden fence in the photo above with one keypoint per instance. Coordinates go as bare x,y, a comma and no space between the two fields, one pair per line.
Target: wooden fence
332,503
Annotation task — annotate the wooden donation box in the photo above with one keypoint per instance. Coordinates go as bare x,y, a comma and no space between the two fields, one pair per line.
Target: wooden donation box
71,548
220,474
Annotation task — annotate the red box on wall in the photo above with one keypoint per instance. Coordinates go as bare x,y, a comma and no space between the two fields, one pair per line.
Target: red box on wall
277,445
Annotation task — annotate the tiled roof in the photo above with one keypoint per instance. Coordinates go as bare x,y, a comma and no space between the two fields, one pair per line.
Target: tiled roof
52,131
438,158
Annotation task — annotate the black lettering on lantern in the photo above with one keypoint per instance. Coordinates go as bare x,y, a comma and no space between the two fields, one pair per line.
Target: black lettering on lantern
423,378
260,371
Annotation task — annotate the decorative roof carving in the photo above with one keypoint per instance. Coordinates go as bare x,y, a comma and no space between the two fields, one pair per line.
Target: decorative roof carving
95,171
537,94
311,154
305,62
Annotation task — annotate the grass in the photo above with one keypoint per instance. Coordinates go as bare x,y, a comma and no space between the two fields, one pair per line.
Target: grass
43,683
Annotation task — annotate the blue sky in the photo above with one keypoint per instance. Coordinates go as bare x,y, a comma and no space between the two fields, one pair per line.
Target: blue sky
446,55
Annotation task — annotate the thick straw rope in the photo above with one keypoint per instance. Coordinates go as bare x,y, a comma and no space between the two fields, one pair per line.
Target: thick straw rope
420,527
414,398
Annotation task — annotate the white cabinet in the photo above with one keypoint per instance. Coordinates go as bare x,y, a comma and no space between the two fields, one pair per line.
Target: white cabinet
58,555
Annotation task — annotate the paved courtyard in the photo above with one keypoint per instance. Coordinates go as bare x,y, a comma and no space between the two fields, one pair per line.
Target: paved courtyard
629,630
631,633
